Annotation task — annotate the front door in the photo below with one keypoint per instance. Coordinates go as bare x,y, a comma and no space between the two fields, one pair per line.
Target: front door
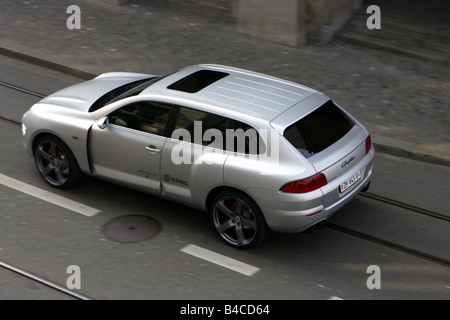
128,150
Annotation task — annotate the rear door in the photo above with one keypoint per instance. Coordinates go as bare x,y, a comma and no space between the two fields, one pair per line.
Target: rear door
193,156
129,149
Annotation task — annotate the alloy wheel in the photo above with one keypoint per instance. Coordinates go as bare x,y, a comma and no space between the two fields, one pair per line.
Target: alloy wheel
52,163
236,220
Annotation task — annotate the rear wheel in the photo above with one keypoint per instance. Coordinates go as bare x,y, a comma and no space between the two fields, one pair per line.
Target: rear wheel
238,219
56,163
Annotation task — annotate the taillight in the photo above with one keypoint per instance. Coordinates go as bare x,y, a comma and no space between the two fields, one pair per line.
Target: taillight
368,144
306,185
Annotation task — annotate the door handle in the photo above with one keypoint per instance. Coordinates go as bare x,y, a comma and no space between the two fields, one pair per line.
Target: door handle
152,149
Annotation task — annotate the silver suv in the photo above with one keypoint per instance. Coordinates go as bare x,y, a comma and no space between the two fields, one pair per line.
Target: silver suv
257,152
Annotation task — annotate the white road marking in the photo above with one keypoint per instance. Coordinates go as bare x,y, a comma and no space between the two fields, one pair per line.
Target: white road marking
220,260
48,196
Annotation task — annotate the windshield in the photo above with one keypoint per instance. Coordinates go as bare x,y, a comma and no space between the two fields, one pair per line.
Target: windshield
122,92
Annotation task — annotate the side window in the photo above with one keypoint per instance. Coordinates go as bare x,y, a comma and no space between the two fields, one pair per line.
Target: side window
243,138
148,117
200,127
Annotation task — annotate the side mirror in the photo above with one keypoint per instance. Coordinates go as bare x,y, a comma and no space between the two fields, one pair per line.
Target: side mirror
102,123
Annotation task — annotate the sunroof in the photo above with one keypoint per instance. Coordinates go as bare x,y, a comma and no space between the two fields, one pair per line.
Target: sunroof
197,81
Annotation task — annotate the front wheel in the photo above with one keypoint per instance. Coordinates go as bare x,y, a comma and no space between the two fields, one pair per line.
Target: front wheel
238,219
56,163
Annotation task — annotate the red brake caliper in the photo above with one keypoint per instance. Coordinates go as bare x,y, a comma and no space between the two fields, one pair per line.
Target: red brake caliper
49,152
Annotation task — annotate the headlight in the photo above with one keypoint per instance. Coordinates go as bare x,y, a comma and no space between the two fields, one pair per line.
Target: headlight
24,129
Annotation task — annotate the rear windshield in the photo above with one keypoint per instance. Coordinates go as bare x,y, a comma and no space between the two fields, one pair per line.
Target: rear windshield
318,130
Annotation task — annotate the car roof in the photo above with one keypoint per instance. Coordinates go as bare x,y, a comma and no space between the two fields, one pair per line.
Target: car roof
234,89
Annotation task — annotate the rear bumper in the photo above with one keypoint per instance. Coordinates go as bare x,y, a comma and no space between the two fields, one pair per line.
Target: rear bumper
294,213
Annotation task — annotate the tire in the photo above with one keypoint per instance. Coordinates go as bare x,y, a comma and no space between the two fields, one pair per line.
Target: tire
238,219
56,163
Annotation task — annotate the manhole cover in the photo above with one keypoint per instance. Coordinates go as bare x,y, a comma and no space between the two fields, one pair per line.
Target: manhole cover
132,228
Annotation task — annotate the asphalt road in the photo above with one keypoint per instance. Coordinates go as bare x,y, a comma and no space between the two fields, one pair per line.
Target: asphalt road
45,239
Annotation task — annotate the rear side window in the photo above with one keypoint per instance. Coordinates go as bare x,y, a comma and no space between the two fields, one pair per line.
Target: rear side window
216,131
200,127
318,130
243,138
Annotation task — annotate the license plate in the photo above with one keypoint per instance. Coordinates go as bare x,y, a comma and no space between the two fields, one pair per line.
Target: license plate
350,181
